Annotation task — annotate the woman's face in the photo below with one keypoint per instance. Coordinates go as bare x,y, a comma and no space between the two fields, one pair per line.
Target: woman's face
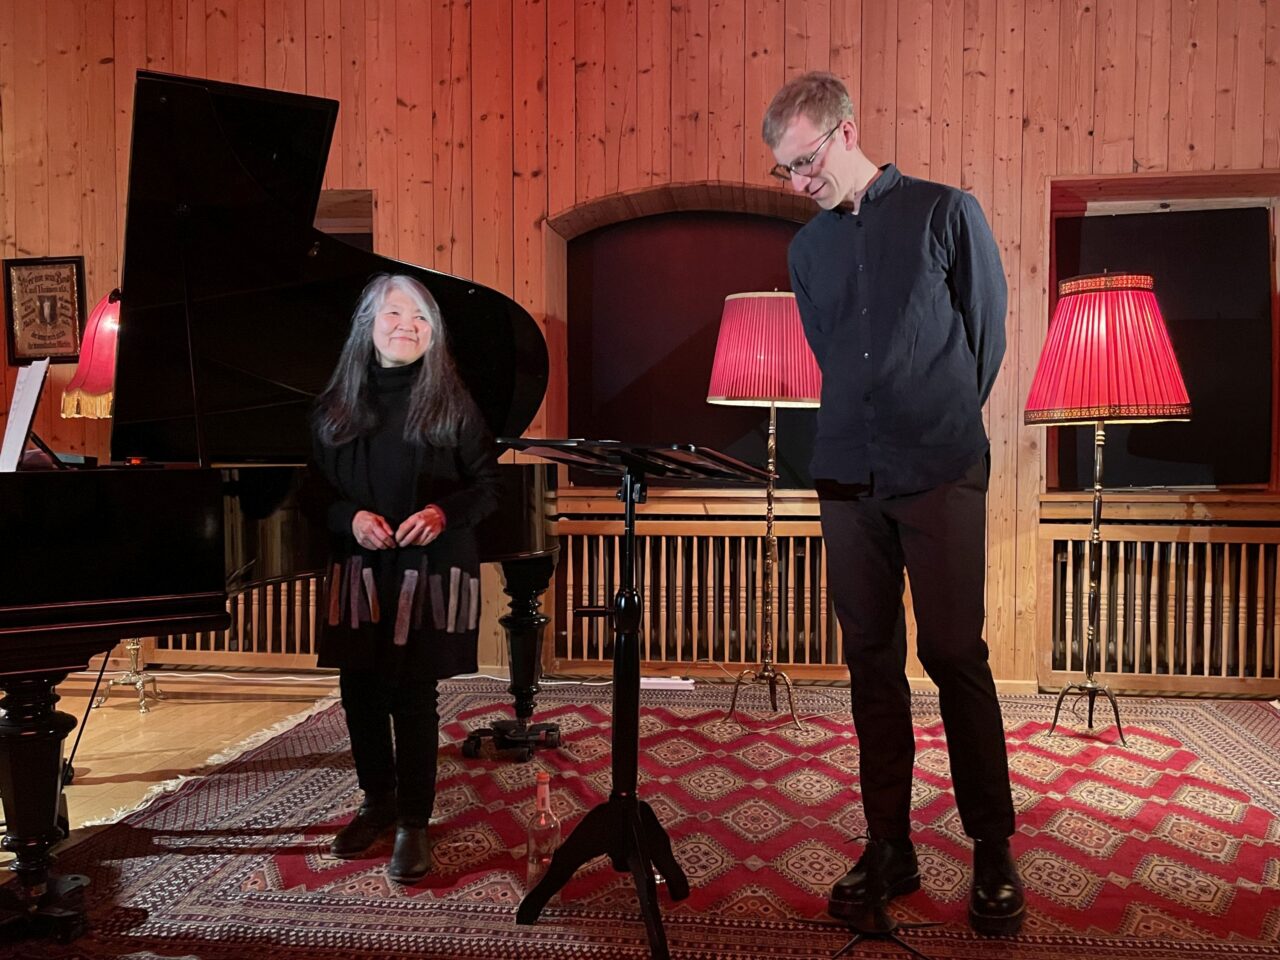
401,334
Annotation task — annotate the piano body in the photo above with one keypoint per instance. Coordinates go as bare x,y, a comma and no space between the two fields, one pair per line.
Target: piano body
234,309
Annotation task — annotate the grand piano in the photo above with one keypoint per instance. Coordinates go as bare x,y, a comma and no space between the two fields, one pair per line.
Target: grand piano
233,311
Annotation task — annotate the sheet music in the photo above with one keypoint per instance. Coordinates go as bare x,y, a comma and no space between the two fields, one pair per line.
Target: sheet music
22,411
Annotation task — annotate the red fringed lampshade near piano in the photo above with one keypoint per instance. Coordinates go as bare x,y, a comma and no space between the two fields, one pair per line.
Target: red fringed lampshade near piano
761,356
90,390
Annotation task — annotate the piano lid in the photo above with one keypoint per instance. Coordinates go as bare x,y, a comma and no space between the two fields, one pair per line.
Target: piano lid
223,185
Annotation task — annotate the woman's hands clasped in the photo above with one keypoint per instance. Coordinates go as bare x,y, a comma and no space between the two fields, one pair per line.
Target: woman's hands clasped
421,527
372,531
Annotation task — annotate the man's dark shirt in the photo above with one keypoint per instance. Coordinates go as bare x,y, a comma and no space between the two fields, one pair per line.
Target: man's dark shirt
904,305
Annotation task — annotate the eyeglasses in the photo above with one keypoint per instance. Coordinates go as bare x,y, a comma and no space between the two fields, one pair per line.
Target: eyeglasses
803,166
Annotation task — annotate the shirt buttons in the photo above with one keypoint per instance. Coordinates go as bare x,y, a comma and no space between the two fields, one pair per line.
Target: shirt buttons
864,311
866,356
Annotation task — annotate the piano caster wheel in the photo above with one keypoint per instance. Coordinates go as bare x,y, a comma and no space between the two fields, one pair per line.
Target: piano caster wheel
524,755
471,746
552,741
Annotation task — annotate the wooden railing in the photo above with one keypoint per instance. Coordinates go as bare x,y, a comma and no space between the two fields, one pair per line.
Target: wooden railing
273,625
1187,595
701,583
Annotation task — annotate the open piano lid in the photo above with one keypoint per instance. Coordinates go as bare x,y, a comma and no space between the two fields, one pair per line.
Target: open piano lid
223,185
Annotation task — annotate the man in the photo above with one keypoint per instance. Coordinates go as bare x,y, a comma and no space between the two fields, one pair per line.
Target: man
902,296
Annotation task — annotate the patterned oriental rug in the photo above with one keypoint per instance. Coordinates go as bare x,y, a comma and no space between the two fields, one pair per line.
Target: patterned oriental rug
1167,848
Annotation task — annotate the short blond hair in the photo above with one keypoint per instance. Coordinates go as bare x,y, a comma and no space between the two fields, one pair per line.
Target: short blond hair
818,95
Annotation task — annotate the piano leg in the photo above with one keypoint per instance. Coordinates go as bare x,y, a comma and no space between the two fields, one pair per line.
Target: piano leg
527,578
31,740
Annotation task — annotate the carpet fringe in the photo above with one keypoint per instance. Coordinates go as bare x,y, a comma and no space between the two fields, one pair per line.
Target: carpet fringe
226,755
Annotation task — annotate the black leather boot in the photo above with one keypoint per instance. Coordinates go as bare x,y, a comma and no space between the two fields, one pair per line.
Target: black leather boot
370,822
886,869
411,858
997,902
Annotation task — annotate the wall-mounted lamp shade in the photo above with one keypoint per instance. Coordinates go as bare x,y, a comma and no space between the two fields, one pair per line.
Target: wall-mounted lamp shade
1107,356
90,390
762,357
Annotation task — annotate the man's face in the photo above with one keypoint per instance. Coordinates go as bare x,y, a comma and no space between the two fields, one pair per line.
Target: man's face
828,180
401,334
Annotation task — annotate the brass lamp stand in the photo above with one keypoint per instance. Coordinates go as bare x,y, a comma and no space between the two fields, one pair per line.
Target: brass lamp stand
1092,655
133,677
766,672
1107,359
762,360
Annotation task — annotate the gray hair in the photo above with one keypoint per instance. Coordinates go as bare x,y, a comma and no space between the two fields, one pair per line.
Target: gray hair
440,408
820,96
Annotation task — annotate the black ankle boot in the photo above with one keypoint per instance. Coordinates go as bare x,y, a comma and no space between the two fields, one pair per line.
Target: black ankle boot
411,858
997,903
886,869
370,822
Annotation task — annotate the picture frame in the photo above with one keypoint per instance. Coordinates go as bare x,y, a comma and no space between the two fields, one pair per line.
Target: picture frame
44,308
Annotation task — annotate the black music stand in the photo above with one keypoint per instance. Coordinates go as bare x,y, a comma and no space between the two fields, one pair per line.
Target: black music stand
625,827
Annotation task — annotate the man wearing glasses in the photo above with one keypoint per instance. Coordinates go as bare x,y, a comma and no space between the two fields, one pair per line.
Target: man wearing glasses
903,297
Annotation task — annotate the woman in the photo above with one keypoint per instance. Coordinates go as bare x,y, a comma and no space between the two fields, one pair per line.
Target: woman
410,469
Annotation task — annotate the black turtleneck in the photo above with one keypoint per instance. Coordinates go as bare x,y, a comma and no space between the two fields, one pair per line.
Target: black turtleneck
389,458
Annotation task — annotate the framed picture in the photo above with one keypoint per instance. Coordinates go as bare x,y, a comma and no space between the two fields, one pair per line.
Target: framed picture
44,308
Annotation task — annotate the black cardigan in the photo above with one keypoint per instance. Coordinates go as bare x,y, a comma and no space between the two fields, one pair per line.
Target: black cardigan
425,597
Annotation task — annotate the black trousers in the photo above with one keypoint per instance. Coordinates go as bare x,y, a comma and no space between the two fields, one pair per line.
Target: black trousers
939,537
403,768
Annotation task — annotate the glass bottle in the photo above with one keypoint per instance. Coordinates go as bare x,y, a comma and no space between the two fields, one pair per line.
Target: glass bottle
544,834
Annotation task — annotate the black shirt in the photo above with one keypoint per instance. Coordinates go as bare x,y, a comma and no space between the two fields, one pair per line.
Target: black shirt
903,304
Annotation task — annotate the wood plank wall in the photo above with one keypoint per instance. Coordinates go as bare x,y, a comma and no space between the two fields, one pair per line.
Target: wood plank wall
475,121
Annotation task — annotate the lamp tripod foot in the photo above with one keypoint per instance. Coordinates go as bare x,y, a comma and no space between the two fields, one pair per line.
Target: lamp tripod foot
134,677
766,674
1091,689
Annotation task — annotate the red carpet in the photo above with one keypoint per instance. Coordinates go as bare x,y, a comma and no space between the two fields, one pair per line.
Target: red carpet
1167,848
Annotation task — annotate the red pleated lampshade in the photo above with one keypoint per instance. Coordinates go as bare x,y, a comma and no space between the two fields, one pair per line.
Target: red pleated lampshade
1107,356
90,391
762,356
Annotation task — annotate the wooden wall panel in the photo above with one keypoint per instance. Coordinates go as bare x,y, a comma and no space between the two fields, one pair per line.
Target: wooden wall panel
1075,85
415,209
726,87
382,148
65,55
621,144
1192,73
690,24
491,163
475,122
876,109
1113,128
914,89
1271,83
285,38
764,74
1152,57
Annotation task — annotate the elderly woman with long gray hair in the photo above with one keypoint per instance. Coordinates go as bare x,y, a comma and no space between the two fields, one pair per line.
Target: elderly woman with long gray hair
409,468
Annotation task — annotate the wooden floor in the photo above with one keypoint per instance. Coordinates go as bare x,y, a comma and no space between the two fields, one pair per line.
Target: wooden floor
124,753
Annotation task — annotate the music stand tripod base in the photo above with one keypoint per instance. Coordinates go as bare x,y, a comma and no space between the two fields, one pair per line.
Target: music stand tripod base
624,827
1090,688
875,923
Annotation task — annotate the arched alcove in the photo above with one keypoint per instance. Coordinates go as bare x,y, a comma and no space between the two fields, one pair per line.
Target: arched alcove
772,202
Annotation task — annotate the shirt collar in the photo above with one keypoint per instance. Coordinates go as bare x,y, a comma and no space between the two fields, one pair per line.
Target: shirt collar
879,186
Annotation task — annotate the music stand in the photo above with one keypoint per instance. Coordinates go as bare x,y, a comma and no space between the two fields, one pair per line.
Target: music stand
625,827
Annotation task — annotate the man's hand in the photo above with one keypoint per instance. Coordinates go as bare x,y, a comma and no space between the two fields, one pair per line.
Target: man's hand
422,527
372,531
